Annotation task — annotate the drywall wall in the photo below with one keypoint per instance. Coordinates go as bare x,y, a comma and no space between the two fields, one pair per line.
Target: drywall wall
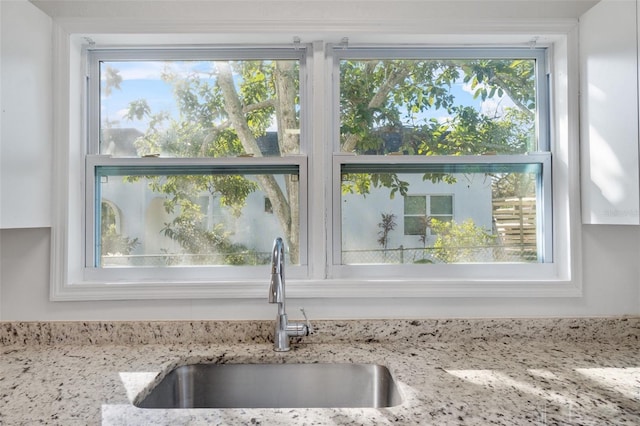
610,273
610,258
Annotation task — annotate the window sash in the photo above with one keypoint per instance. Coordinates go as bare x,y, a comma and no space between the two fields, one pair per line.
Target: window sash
439,209
539,163
97,166
445,164
341,52
96,55
413,208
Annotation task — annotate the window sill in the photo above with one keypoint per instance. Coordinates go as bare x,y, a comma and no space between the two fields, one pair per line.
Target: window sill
336,288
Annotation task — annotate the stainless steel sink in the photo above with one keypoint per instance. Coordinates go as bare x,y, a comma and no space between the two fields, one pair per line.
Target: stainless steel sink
274,386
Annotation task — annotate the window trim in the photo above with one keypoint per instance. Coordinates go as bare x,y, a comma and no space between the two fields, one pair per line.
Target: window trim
564,280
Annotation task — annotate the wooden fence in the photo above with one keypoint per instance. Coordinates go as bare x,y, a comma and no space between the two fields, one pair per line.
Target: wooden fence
514,220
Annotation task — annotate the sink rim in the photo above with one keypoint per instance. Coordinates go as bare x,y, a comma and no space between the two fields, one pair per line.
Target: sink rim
380,384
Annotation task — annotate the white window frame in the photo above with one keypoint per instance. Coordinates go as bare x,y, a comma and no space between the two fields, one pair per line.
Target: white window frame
561,278
500,271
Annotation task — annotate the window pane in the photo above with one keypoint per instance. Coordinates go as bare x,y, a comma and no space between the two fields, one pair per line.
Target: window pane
191,219
414,225
495,217
441,204
440,106
199,108
415,205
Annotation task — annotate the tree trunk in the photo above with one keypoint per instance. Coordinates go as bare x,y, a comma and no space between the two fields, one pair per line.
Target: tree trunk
289,142
233,107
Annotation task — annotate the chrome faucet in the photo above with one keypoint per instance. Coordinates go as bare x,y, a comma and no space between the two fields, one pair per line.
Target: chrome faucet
284,329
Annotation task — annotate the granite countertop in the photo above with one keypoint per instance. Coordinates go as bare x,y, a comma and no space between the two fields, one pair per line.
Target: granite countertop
474,372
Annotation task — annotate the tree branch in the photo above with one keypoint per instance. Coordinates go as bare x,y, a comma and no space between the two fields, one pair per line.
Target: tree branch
212,136
260,105
504,86
377,101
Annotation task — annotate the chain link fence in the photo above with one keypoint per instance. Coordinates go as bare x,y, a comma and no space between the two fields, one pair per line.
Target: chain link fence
401,255
240,258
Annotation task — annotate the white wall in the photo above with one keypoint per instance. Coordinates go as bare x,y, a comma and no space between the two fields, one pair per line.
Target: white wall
611,267
610,274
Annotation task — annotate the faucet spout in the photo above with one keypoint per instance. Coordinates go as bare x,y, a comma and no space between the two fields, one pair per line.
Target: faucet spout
276,287
283,328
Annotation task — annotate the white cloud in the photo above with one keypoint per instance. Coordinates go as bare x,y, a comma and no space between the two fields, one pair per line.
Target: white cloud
494,106
121,113
139,70
466,87
153,70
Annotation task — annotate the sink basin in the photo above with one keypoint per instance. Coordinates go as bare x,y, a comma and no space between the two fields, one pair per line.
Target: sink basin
274,386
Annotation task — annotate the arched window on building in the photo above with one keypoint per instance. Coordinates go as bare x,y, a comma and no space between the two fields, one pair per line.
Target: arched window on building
115,246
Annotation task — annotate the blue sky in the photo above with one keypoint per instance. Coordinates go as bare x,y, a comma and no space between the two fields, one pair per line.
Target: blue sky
140,80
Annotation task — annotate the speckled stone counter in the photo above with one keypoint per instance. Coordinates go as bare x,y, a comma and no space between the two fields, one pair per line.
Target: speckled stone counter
474,372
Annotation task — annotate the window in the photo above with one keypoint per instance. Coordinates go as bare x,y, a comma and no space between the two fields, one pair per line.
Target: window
415,215
189,143
115,243
472,123
165,125
352,154
419,210
268,208
440,209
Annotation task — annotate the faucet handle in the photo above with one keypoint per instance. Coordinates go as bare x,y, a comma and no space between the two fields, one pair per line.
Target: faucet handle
309,326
